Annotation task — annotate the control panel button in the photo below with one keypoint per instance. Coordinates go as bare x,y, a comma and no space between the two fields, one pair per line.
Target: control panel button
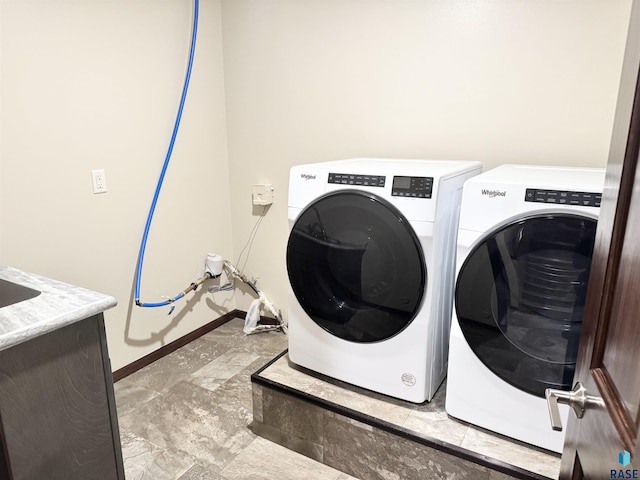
563,197
359,180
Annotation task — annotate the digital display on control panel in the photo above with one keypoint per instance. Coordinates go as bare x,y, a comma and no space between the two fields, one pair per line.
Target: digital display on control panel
351,179
563,197
416,187
401,182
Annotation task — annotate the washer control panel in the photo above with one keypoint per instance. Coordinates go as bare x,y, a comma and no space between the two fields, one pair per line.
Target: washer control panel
564,197
351,179
415,187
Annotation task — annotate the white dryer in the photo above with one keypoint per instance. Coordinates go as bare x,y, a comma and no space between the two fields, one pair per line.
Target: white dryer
370,259
525,243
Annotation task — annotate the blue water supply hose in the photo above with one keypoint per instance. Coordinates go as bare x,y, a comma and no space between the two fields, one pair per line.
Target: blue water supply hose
176,127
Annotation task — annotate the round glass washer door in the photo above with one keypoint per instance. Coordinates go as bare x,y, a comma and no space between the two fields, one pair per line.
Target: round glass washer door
356,266
520,297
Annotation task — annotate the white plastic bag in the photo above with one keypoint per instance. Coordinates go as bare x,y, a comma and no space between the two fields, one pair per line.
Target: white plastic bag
252,318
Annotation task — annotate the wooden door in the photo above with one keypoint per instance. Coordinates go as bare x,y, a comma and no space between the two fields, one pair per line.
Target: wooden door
609,355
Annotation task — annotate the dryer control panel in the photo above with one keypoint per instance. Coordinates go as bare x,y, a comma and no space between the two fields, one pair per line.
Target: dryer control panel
564,197
352,179
416,187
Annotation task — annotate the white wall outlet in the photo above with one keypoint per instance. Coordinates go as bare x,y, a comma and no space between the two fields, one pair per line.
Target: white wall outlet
99,180
262,194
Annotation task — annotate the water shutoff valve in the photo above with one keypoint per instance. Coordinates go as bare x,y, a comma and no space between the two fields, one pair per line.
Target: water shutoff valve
213,265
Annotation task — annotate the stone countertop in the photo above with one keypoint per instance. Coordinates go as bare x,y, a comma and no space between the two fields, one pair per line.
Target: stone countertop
59,304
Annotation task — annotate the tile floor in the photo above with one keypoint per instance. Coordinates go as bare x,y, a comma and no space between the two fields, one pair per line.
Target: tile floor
428,419
186,416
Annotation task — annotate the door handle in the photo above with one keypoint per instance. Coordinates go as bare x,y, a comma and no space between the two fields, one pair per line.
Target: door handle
577,399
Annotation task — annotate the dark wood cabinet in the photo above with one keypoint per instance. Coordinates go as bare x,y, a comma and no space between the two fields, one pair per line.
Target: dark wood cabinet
57,407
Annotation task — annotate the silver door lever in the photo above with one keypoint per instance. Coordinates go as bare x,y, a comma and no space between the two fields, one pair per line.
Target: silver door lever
577,399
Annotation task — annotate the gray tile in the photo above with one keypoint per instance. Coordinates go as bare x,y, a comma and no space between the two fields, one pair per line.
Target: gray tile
428,419
231,335
512,452
436,424
344,476
256,394
258,462
294,443
493,475
360,402
222,368
166,372
129,395
209,427
144,460
293,416
173,429
366,452
237,390
187,417
282,372
379,406
199,472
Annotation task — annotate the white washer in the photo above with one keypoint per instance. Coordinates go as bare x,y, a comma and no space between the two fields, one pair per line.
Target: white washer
370,259
525,242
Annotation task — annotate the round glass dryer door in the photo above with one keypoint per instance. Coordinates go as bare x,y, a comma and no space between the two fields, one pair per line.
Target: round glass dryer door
520,297
356,266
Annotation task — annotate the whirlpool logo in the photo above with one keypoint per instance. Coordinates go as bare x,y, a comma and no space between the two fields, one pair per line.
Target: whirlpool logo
307,176
624,459
494,193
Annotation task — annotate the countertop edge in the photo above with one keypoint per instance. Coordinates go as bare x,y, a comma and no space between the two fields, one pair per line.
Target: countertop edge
59,304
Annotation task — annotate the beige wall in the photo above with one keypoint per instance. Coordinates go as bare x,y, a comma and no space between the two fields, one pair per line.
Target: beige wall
497,81
95,83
